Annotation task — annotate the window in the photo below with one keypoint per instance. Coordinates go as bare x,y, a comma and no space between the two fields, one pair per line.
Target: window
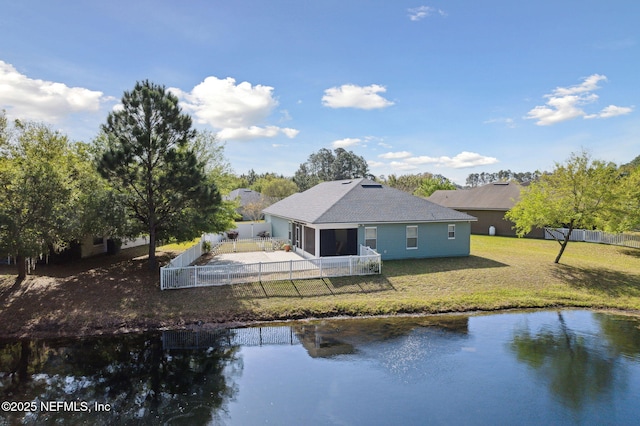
412,237
97,241
371,237
452,232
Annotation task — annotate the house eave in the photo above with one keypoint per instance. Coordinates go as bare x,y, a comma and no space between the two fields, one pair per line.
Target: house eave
371,222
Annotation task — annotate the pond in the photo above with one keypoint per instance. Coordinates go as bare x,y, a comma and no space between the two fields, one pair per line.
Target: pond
543,367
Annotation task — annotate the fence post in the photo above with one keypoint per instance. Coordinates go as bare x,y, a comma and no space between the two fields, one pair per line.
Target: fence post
350,265
195,278
291,270
320,267
259,271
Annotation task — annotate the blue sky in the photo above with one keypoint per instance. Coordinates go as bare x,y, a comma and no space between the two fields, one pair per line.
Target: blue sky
448,87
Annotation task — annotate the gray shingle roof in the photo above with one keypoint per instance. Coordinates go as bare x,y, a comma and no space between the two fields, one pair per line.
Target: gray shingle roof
246,196
494,196
360,201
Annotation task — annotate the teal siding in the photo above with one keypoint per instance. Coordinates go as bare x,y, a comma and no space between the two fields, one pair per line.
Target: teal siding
279,227
433,240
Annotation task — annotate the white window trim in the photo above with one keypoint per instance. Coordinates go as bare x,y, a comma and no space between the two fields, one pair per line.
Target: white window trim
449,232
375,228
406,235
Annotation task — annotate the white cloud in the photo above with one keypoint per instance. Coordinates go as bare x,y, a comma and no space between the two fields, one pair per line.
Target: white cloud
352,96
463,160
395,155
237,110
40,100
421,12
508,122
289,132
373,163
564,103
611,111
401,165
253,132
344,143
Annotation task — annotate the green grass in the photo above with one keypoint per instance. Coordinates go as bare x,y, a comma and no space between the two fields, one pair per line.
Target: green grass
115,293
177,247
501,273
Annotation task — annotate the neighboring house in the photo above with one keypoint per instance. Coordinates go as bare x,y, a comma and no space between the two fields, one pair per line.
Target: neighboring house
335,218
488,203
95,245
244,196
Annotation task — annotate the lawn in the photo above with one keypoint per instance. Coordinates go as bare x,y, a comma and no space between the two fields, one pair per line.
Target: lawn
118,293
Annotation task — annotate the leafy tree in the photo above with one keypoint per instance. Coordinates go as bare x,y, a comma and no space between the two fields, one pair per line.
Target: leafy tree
253,209
211,152
151,159
45,185
262,180
632,165
304,178
407,183
325,165
432,184
578,194
421,184
348,165
626,213
277,189
478,179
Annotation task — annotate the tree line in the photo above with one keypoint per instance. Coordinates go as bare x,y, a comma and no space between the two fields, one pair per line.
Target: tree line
150,172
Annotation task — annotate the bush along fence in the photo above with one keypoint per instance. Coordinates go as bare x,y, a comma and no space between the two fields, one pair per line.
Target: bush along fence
626,240
173,277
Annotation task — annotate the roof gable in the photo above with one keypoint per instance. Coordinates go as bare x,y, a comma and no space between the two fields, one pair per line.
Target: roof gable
493,196
360,201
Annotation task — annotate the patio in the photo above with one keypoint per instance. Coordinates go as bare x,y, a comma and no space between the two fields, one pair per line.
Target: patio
250,261
253,257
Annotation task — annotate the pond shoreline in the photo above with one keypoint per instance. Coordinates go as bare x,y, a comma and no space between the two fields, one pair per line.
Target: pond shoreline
119,294
56,331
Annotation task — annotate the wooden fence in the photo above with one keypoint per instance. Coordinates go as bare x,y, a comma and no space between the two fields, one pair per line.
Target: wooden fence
368,263
626,240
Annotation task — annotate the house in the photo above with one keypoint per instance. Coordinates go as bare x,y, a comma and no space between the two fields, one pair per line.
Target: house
245,197
335,218
488,203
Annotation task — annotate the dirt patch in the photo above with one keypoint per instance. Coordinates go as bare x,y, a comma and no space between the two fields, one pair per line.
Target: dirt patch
103,294
204,259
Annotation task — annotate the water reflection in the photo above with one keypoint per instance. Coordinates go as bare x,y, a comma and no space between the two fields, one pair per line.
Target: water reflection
577,367
340,337
141,382
547,367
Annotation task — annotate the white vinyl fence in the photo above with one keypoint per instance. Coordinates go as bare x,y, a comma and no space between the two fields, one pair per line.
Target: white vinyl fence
219,244
226,337
323,267
627,240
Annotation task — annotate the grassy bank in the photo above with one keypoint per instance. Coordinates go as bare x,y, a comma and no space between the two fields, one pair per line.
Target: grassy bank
118,293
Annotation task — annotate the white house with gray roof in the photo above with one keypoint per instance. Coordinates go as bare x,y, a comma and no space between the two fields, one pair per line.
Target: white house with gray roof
334,218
